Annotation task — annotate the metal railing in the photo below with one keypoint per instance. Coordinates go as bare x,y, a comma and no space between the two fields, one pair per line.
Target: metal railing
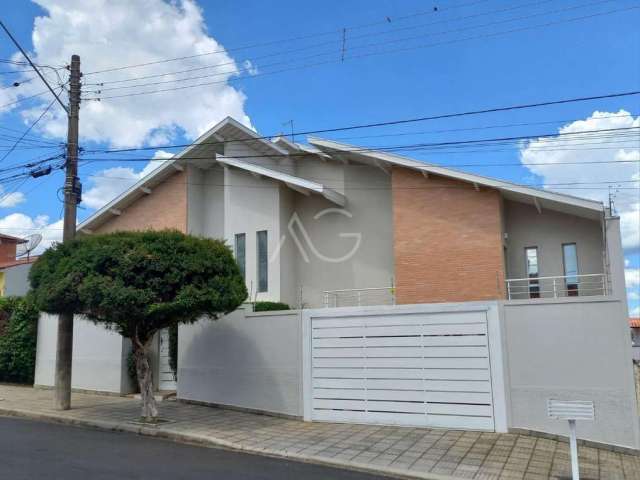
358,297
557,287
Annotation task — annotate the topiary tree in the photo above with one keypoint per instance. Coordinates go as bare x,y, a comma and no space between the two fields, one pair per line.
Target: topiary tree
138,283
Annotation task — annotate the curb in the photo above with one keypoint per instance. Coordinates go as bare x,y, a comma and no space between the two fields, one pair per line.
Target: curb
206,441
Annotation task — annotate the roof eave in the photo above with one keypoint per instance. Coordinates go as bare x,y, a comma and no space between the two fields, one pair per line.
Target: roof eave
399,160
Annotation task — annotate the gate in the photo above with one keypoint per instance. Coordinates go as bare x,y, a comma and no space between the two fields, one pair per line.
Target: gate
421,365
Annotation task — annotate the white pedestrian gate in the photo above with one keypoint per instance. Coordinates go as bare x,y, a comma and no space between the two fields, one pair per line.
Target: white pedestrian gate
395,365
167,379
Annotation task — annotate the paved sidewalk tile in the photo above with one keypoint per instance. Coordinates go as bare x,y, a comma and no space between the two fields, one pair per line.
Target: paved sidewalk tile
417,452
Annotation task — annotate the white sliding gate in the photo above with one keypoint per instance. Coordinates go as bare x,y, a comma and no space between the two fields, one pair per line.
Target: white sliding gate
419,365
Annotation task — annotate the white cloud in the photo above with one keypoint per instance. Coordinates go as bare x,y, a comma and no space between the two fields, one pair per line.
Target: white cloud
109,183
583,151
21,225
107,33
632,277
635,312
11,199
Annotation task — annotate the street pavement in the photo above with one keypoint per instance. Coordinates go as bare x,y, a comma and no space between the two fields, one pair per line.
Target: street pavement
33,450
424,453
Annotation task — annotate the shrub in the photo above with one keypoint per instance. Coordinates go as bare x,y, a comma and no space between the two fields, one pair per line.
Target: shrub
18,340
270,306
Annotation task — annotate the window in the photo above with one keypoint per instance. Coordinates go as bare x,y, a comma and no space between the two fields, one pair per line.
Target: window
531,255
263,261
570,259
241,249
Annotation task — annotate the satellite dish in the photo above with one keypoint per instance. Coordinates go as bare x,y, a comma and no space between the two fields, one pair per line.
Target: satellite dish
32,241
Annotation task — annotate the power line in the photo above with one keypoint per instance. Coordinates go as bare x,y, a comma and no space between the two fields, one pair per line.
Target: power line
354,57
33,124
20,100
545,184
486,127
331,52
397,122
274,42
24,54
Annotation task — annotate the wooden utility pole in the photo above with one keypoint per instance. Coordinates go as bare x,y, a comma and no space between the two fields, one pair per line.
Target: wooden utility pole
64,350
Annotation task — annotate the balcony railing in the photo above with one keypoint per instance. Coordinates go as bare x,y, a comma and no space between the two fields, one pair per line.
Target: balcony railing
358,297
556,287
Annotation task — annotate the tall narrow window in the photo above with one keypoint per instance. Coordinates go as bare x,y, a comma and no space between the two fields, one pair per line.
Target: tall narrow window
241,251
570,258
263,261
531,254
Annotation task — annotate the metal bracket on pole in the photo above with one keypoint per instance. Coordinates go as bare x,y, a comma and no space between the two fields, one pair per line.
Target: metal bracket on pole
571,410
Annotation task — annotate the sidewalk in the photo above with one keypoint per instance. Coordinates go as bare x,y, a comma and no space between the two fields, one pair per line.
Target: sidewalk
405,452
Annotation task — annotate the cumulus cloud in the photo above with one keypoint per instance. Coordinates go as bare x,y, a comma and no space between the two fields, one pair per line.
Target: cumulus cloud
578,154
632,277
109,183
10,199
128,33
21,225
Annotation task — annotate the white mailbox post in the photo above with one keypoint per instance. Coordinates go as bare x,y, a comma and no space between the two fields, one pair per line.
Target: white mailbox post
571,410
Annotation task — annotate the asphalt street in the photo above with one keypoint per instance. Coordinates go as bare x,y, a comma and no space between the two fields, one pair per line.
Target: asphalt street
38,450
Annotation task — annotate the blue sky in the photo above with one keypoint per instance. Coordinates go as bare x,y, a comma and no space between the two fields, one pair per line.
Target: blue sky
565,59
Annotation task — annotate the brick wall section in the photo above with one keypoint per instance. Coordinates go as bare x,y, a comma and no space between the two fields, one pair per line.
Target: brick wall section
165,207
447,240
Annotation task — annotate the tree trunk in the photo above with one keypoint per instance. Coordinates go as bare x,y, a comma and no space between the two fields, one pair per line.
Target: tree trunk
145,379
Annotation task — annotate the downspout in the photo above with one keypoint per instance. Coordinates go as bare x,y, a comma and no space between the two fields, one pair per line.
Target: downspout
605,253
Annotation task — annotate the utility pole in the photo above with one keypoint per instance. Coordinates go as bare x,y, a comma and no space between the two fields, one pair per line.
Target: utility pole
64,350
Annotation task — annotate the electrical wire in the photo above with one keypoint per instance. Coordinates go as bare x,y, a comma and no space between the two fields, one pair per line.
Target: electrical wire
33,124
563,101
309,47
274,42
354,57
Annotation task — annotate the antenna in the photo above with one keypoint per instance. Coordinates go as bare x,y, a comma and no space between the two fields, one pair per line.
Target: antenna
32,241
290,122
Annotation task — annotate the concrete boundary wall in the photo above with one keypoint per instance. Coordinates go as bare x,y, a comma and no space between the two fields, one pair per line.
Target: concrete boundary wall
99,356
571,349
244,360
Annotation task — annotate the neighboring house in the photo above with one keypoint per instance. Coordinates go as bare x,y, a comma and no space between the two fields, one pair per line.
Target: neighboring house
14,273
634,325
470,300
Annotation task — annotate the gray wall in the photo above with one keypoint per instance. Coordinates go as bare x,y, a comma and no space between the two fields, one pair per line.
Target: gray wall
371,217
548,230
571,349
99,356
249,360
16,280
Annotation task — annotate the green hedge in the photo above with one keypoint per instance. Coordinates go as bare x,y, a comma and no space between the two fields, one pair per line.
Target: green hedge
18,338
270,306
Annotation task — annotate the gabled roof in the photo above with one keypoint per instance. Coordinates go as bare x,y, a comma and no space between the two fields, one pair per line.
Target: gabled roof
227,129
512,191
295,183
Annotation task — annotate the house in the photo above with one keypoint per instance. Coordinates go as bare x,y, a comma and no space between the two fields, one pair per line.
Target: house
383,256
634,325
14,272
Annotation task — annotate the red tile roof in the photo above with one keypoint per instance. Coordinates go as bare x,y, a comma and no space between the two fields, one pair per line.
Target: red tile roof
19,261
634,322
11,239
